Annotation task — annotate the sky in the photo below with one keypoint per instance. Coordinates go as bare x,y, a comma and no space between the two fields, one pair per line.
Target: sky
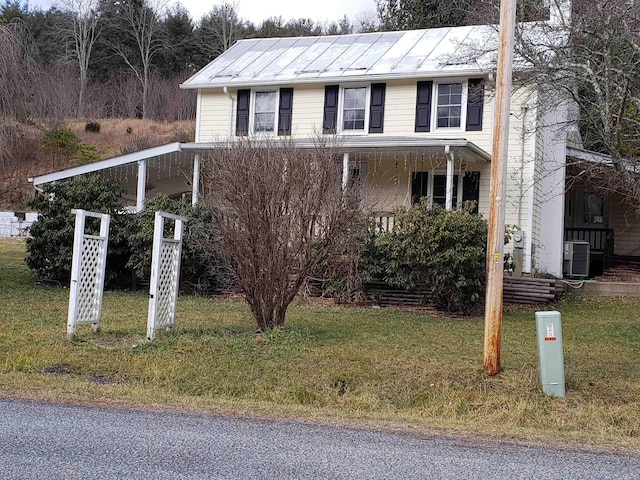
321,11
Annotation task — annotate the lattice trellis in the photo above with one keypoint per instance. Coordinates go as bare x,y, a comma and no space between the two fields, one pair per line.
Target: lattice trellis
87,273
165,273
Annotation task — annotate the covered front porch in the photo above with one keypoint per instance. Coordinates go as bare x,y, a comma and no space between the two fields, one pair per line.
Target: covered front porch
394,171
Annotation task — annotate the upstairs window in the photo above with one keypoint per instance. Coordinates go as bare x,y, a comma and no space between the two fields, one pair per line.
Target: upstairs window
449,105
449,110
354,108
264,112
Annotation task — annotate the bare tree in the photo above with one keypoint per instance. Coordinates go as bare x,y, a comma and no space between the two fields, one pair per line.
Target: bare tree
81,31
220,29
587,53
17,70
284,210
597,66
142,23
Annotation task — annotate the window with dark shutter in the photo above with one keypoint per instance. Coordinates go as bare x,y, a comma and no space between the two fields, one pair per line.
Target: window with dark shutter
471,189
423,107
330,118
475,104
285,111
242,113
376,112
419,186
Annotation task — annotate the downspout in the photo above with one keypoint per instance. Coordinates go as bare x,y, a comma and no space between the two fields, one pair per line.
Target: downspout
231,100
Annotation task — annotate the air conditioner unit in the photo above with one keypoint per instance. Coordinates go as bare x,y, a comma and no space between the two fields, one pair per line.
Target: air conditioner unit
576,259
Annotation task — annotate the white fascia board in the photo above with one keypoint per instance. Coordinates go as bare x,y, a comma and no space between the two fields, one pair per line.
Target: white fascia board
133,157
337,79
349,142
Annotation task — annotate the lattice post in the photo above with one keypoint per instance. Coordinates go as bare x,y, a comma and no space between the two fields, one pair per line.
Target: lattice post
87,273
165,273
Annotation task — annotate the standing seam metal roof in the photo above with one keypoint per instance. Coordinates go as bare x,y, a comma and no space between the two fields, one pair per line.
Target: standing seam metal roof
413,53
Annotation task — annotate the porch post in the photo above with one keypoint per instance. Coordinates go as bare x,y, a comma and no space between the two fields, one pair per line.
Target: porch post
345,170
449,187
195,187
142,184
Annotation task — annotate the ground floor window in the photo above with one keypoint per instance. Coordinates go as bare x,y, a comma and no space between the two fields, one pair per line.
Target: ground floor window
433,186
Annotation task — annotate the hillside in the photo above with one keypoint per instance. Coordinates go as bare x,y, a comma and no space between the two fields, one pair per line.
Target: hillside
26,156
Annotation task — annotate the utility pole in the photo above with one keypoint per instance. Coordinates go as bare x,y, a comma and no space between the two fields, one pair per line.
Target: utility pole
499,153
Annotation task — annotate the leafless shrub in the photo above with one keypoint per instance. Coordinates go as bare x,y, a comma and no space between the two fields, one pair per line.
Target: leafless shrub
167,101
16,69
54,93
284,212
18,155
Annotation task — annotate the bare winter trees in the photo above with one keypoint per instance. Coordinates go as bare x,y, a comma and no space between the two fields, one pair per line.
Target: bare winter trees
81,31
589,52
141,22
284,210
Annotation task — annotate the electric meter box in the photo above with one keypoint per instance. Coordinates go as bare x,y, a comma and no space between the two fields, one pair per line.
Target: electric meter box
550,354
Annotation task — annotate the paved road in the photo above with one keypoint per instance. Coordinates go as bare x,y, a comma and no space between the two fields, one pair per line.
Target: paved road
41,441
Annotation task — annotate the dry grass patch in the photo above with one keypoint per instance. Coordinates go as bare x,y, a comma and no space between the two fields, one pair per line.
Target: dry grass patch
123,135
383,367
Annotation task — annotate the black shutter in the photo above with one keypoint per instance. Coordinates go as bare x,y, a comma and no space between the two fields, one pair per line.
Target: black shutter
475,104
330,119
423,107
242,113
376,115
285,110
471,188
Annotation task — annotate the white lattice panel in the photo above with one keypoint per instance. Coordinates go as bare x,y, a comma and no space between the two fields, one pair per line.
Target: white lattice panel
87,273
91,272
169,263
165,274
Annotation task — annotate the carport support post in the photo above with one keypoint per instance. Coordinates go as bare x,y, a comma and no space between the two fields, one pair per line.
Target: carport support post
499,152
142,185
195,187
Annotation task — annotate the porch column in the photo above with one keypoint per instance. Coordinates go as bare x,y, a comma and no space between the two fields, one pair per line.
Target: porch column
195,186
449,187
142,184
345,170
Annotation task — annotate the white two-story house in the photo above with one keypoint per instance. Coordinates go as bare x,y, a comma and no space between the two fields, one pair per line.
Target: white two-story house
408,117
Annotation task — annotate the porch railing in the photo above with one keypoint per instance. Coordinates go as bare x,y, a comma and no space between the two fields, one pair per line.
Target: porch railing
384,221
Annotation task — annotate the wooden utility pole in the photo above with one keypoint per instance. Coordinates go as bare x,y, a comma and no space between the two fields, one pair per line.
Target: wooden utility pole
495,242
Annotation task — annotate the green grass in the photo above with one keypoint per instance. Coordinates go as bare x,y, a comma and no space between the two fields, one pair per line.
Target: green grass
368,366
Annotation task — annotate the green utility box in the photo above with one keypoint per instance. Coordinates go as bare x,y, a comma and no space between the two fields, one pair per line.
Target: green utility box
549,329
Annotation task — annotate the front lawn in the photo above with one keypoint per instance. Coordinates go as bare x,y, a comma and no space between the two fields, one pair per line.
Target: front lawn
366,366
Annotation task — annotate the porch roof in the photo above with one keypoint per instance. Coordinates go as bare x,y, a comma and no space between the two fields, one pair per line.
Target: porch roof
595,157
164,155
169,168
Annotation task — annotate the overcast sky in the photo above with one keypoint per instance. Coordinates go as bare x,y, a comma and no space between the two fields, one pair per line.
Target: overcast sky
257,10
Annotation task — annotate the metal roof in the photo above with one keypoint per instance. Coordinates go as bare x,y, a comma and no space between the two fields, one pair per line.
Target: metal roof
366,56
